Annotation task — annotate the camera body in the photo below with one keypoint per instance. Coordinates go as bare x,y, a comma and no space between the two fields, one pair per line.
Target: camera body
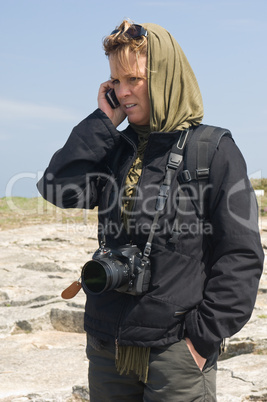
123,269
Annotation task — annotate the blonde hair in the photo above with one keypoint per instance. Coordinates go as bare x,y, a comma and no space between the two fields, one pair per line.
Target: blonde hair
121,45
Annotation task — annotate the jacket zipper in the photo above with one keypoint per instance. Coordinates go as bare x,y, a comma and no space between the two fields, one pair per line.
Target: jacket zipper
117,331
140,178
123,183
116,349
126,170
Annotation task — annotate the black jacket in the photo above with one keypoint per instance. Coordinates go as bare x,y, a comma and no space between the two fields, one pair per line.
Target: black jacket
212,278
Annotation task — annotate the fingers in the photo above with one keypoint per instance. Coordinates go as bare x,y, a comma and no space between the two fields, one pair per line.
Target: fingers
101,99
115,115
200,361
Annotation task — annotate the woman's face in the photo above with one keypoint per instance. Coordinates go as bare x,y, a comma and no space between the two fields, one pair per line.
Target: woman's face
131,88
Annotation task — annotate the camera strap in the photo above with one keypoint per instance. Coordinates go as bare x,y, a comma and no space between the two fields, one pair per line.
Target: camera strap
174,161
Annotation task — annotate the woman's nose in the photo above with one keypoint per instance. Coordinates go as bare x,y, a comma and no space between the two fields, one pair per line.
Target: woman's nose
123,91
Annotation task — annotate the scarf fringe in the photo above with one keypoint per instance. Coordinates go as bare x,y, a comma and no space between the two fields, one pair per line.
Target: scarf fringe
133,358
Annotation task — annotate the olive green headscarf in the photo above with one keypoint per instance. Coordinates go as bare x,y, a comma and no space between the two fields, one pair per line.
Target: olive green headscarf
175,98
175,104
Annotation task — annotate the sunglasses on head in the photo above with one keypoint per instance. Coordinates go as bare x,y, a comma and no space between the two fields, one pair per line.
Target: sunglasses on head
134,31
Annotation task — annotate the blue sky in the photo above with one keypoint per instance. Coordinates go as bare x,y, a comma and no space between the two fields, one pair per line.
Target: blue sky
52,63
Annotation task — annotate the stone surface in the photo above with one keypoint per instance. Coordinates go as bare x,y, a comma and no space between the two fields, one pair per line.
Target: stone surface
42,355
46,363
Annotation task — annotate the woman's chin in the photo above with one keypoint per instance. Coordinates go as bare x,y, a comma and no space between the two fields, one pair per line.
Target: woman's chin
138,122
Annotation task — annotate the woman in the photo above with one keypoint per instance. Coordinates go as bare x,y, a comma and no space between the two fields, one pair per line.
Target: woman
160,343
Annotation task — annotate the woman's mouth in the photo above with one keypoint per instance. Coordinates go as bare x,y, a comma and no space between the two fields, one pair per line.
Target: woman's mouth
130,105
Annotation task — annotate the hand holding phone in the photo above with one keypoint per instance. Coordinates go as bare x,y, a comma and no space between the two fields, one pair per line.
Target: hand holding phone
109,104
112,99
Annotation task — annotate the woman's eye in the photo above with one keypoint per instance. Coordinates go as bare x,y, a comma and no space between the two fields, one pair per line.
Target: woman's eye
135,80
114,82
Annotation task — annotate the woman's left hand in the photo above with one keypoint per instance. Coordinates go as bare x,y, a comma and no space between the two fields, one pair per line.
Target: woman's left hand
200,361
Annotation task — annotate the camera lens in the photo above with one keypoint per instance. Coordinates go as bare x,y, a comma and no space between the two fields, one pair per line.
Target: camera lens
95,277
107,274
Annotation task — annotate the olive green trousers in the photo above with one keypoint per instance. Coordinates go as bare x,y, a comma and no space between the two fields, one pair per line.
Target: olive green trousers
173,377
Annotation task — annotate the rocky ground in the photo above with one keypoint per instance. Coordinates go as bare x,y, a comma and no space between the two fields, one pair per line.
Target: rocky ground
42,355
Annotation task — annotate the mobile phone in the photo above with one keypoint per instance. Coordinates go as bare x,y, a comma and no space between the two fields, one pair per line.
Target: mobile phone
112,99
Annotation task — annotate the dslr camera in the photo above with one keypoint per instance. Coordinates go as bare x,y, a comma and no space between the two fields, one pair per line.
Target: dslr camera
124,269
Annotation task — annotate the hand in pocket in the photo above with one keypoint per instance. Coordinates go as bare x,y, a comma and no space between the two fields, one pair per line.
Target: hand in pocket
200,361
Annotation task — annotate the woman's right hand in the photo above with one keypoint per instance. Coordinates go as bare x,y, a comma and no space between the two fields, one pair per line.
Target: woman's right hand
200,361
115,115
